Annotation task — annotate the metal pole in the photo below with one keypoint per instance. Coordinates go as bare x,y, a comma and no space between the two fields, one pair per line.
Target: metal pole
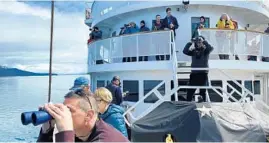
51,44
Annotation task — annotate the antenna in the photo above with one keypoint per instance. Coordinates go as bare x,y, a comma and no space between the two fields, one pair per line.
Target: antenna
51,44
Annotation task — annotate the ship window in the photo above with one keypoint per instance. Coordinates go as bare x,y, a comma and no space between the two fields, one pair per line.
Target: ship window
249,86
213,95
148,86
195,21
132,87
257,87
100,83
239,89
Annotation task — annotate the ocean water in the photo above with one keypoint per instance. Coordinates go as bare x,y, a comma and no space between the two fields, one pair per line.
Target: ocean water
20,94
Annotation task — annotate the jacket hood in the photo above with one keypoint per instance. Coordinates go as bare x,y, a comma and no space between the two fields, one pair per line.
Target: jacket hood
112,109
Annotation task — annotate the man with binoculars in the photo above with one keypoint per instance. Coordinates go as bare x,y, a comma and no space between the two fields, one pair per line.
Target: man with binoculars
199,49
77,120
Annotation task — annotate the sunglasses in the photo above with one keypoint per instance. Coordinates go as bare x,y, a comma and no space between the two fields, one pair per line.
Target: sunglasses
82,94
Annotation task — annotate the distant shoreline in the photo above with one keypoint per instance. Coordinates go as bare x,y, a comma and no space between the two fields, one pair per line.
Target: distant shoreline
11,72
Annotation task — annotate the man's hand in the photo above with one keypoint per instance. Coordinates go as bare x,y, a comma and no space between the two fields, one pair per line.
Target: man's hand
46,127
192,47
171,25
62,116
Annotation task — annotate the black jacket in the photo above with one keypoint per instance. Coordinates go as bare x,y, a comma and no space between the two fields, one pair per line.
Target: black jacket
116,93
199,57
166,25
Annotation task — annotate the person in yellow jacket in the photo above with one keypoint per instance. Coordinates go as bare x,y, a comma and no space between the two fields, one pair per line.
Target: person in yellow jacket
223,37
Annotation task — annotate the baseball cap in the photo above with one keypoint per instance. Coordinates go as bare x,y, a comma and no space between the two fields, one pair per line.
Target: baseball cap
79,83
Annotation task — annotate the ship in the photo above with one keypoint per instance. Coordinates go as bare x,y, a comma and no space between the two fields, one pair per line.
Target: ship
238,86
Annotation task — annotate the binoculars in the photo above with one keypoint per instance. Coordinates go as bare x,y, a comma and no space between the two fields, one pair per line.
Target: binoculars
35,117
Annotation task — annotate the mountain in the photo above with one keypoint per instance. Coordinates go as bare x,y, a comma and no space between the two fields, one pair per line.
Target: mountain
6,71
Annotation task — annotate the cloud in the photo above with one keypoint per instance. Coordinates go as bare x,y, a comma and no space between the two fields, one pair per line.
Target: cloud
25,38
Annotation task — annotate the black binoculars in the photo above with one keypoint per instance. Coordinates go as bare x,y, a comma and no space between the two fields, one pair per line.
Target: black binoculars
35,117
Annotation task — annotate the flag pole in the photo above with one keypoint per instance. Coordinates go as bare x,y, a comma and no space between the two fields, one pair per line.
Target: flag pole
51,45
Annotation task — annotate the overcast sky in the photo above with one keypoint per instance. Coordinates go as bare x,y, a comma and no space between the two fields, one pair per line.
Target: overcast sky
25,36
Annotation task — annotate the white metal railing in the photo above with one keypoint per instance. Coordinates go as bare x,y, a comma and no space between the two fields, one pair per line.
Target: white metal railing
226,96
114,49
240,43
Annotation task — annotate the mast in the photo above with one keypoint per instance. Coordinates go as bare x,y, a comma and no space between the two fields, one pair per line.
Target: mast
51,44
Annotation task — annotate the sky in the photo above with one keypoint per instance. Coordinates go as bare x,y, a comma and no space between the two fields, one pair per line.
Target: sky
25,36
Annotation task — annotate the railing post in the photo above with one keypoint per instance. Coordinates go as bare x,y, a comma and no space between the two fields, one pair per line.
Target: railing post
137,49
121,49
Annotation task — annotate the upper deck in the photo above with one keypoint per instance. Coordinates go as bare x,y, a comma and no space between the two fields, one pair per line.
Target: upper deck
102,10
247,50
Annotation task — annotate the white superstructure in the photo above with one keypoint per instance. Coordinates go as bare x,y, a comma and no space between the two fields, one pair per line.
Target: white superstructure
150,82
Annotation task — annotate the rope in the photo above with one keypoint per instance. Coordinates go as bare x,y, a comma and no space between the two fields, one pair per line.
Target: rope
51,43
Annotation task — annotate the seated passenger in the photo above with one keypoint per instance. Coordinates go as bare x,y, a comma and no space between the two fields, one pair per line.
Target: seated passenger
110,113
143,26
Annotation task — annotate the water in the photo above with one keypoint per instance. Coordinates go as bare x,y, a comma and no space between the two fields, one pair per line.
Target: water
20,94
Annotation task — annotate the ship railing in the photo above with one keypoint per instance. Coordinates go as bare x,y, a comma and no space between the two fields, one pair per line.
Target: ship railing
131,46
227,97
237,44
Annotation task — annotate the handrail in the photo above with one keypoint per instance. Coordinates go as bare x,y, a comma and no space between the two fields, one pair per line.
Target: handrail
239,30
132,34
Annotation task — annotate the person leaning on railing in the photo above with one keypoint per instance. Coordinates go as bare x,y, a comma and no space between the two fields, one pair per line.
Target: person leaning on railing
224,37
199,49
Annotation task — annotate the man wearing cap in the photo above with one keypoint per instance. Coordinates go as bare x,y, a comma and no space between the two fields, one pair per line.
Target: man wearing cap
114,88
81,83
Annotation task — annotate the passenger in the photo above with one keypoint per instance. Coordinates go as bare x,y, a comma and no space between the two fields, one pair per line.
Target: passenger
224,37
157,25
201,25
114,88
170,22
143,26
234,38
265,44
77,121
96,33
131,28
267,30
199,49
82,83
122,31
110,113
90,39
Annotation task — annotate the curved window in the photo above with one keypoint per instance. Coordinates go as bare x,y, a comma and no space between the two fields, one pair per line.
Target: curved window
148,86
132,86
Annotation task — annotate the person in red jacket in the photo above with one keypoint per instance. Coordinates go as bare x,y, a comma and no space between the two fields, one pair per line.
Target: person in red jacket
77,121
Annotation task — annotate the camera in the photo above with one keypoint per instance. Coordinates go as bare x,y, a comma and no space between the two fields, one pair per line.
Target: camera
197,39
35,117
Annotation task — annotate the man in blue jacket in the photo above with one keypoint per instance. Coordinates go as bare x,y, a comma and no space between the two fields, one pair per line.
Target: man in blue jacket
114,88
200,55
170,22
